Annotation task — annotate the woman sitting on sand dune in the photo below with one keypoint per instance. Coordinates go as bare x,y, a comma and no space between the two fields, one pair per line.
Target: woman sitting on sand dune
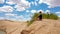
40,16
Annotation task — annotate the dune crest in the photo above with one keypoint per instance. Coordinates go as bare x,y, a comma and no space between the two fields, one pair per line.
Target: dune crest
44,27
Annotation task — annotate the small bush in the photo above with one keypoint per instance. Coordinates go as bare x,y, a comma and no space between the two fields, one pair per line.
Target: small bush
33,18
44,16
53,16
50,16
30,22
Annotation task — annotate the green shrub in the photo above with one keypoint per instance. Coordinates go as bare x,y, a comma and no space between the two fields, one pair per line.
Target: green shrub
33,18
50,16
53,16
44,16
30,22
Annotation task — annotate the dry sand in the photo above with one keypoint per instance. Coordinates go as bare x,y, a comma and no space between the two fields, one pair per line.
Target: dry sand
12,27
46,26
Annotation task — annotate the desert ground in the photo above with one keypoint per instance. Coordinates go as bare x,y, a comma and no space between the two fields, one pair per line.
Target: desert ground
46,26
12,27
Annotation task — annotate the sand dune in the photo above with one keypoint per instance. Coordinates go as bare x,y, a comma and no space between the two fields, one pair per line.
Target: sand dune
12,27
46,26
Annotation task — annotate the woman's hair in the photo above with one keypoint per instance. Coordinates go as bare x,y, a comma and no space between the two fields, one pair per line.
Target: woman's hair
40,12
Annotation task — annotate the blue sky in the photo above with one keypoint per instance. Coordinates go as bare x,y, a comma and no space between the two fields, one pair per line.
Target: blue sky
22,10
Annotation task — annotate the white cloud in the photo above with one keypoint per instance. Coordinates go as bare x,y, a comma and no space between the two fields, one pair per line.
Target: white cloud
59,16
13,1
51,3
32,3
20,4
47,11
25,2
20,18
19,8
36,11
2,1
57,12
9,14
33,11
6,9
27,11
10,3
28,19
35,3
40,10
2,18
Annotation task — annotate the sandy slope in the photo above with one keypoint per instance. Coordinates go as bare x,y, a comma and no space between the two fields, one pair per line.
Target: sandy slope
44,27
12,27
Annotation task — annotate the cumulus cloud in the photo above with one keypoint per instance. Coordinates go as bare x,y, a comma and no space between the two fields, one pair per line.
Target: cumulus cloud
6,9
19,8
10,3
25,2
21,18
2,18
57,12
13,1
47,11
37,11
2,1
9,14
33,11
27,11
51,3
34,3
40,10
20,4
17,2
